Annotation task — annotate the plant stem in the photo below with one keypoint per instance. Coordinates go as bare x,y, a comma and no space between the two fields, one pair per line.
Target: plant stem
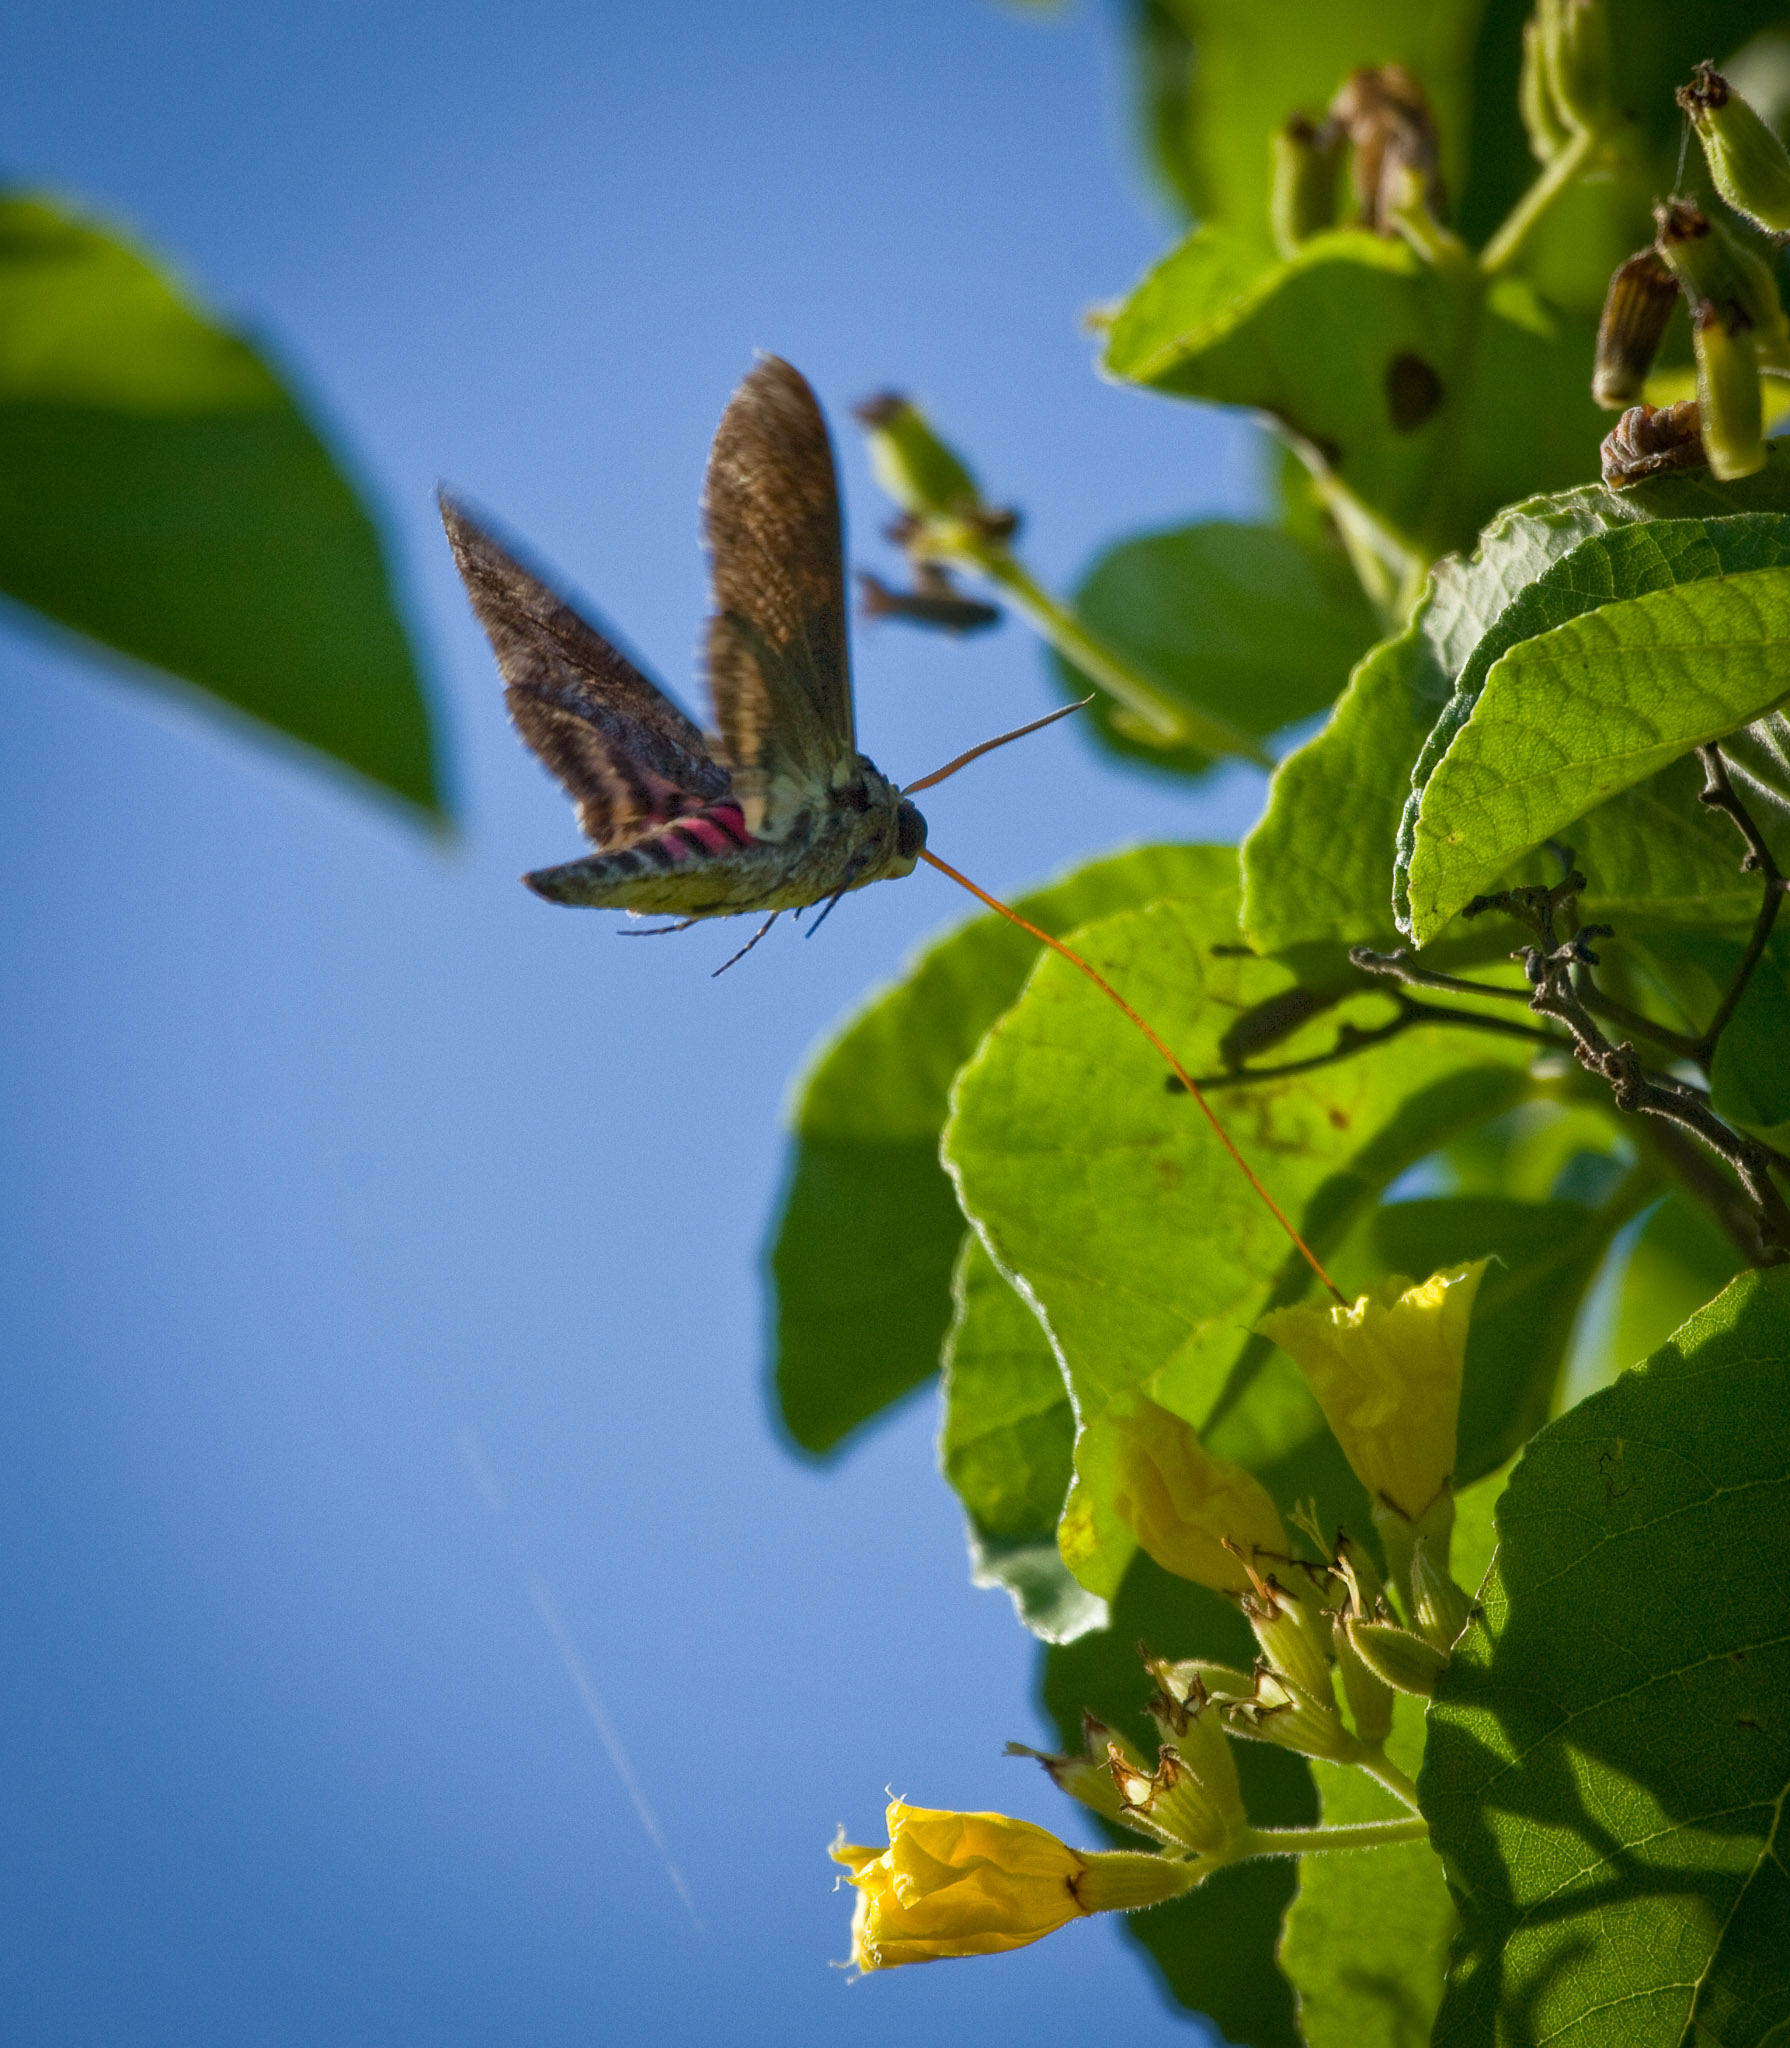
1506,245
1383,1771
1172,723
1370,1834
1718,794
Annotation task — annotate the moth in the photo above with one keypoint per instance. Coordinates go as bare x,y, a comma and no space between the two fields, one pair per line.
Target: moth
775,809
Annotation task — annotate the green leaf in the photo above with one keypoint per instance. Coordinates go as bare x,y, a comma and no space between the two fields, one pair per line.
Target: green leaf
1680,1261
1571,716
1546,1255
1750,1077
1321,861
1114,1207
869,1227
162,494
1367,1936
1431,401
1215,1948
1007,1447
1609,1751
1255,625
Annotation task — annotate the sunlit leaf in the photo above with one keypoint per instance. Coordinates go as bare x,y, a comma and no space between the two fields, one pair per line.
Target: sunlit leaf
1606,1764
164,495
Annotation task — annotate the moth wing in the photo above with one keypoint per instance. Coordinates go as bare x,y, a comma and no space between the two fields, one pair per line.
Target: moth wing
778,666
628,757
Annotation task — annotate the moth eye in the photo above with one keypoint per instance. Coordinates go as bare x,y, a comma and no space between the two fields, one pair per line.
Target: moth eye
910,832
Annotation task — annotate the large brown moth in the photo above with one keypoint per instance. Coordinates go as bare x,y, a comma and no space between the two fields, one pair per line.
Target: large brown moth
775,809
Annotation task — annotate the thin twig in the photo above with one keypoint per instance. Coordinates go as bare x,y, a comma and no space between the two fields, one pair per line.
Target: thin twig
1719,794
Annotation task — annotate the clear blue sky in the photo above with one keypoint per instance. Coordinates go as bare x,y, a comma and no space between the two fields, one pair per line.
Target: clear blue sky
328,1150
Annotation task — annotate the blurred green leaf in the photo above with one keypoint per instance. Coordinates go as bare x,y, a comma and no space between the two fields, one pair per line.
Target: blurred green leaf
1367,1936
1254,624
1750,1077
162,494
1679,1262
1606,1766
1545,1256
1113,1205
1571,716
1433,403
863,1247
1215,1948
1007,1447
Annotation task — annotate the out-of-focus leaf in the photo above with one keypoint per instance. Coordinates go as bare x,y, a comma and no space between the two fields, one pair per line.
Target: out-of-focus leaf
1433,408
1113,1204
1679,1262
1367,1935
1606,1770
1750,1077
1572,716
1007,1446
162,494
869,1228
1545,1256
1254,624
1214,1949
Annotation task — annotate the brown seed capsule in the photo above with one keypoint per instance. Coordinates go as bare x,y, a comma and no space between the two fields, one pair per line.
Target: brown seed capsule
1651,440
1393,135
1637,307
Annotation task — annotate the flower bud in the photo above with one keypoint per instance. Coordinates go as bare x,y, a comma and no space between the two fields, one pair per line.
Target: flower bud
1712,265
1397,1657
1288,1716
1387,1374
1730,410
1575,50
1294,1636
1748,165
935,601
978,1884
1089,1777
919,471
1548,134
1439,1607
1637,308
1185,1507
1368,1695
1171,1803
1195,1678
1302,195
1207,1801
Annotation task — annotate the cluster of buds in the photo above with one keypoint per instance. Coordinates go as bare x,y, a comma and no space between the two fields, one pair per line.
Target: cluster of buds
1738,325
943,515
1564,93
1381,120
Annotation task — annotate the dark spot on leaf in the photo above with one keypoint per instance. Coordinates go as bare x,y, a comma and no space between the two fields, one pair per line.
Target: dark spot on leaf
1338,1118
1413,391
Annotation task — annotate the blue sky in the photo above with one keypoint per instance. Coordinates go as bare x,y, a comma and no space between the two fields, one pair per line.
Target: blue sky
339,1166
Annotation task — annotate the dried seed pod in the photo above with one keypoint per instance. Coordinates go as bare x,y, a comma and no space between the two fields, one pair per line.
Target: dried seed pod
1637,308
1392,132
1650,441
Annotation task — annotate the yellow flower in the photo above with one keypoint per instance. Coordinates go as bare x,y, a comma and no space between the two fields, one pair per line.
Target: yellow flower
978,1884
1387,1374
1181,1504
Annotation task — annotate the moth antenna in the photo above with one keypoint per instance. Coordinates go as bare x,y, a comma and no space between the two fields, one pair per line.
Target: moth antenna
746,948
1118,1001
659,931
988,746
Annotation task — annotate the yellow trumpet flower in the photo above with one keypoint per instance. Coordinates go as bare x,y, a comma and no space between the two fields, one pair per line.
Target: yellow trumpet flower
978,1884
1183,1504
1387,1374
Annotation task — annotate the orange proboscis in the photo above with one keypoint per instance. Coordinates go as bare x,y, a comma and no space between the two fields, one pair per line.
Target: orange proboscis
1180,1072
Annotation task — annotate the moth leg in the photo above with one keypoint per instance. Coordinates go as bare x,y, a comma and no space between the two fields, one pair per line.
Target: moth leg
659,931
825,914
747,947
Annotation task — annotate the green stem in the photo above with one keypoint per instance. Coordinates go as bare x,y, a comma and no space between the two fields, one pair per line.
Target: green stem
1173,724
1384,1772
1506,245
1371,1834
